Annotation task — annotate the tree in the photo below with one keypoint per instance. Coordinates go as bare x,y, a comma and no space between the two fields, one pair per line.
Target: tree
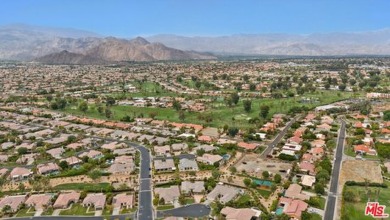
247,105
176,105
235,98
7,209
264,110
64,165
247,182
110,101
349,195
233,131
153,114
100,109
277,178
265,174
108,113
95,174
386,116
342,87
22,151
327,86
319,188
83,107
233,169
182,116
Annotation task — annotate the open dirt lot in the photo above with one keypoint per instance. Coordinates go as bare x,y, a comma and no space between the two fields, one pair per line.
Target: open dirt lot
254,166
360,170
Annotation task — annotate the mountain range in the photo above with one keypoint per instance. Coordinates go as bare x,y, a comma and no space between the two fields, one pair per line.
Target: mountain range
57,46
325,44
62,45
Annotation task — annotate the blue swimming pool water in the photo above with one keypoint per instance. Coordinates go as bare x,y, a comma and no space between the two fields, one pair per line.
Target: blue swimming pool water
279,211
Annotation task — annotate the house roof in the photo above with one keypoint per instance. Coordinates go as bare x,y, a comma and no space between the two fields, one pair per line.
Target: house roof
239,214
122,199
13,201
169,194
64,199
294,192
39,200
196,187
97,199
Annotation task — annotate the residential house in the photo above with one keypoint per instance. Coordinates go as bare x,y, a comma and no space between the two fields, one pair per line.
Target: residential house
169,194
48,168
307,180
210,159
230,213
56,152
294,191
196,187
164,165
247,146
162,150
223,193
72,161
39,201
96,200
123,201
307,167
92,154
187,165
15,202
20,173
65,199
293,207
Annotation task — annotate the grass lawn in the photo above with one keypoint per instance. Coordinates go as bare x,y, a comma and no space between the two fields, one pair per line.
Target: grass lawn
26,212
264,193
314,216
48,211
244,199
126,211
107,210
165,207
355,210
77,209
83,186
190,201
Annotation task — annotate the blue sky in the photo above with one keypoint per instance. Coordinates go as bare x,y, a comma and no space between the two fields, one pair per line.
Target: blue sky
129,18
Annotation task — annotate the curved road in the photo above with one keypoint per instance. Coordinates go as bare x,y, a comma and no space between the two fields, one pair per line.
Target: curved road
330,207
279,137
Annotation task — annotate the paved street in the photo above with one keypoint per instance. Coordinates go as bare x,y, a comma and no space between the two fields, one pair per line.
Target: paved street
145,210
332,197
278,138
190,211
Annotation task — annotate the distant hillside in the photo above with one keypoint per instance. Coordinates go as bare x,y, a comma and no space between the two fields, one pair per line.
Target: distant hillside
138,49
116,50
65,57
361,43
25,42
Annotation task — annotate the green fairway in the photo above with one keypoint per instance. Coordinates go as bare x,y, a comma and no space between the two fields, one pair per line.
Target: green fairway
217,112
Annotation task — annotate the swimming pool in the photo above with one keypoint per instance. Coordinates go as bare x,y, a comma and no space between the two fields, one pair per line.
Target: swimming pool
279,211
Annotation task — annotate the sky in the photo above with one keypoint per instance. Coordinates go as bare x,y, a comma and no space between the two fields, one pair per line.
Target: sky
129,18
